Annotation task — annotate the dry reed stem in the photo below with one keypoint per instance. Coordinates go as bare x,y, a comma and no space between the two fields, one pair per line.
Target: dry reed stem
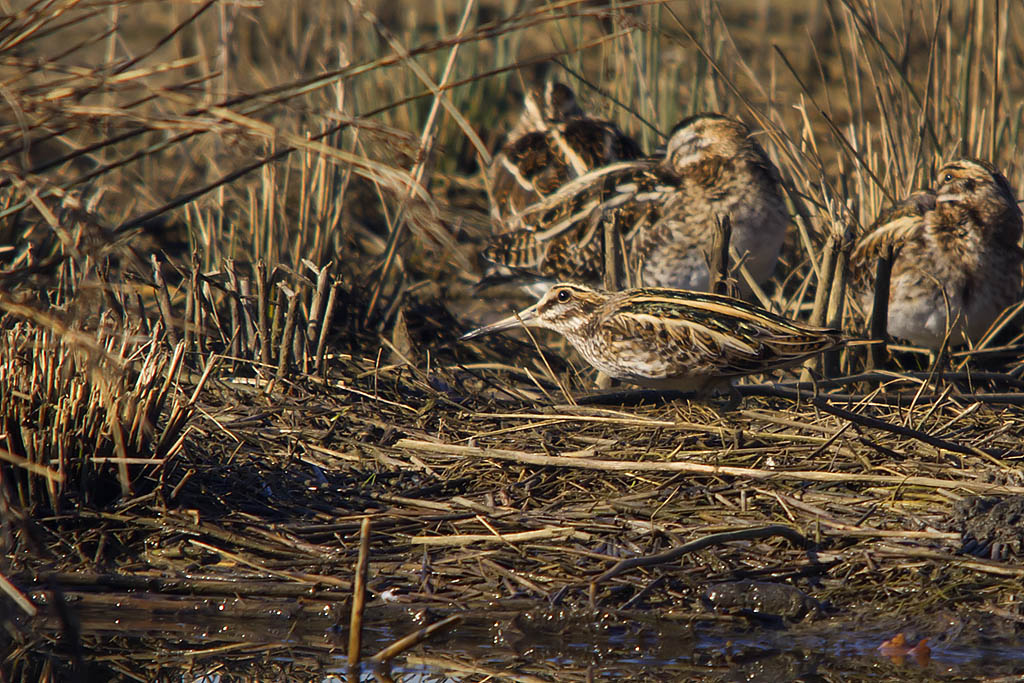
718,264
17,596
878,322
698,468
355,624
415,638
520,537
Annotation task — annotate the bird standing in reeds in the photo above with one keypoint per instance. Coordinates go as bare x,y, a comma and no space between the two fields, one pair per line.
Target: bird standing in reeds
670,339
956,256
665,209
553,142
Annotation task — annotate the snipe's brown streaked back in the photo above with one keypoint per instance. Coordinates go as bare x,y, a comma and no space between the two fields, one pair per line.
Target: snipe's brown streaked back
553,142
670,338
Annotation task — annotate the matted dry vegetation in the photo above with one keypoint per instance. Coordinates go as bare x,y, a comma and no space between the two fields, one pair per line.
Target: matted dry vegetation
238,247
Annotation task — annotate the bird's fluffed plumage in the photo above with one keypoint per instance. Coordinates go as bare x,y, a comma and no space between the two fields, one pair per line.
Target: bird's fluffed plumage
553,142
956,256
664,209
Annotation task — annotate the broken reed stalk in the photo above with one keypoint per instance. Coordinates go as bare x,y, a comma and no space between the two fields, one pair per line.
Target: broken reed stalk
289,329
414,638
163,300
629,275
262,303
821,298
280,306
837,300
878,322
611,255
245,309
355,627
299,348
323,281
210,310
191,323
235,309
718,267
321,344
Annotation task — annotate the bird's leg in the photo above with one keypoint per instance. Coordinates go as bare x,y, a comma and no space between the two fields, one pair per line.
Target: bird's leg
717,386
733,402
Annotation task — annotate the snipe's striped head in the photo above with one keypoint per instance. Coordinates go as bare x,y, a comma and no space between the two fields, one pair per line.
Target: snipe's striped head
558,102
972,179
703,136
565,308
977,186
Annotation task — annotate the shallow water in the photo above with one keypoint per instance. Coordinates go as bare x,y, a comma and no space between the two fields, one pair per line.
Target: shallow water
167,638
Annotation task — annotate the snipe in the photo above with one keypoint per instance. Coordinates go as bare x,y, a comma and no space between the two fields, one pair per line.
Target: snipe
553,142
956,256
664,209
670,338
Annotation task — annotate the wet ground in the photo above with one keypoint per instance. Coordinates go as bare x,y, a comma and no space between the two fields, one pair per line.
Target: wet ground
150,637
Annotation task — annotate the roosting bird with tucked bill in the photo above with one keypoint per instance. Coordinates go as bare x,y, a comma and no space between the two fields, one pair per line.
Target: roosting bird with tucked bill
956,256
664,208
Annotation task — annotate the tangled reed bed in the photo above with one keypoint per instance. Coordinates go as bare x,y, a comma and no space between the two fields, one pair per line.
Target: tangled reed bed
481,501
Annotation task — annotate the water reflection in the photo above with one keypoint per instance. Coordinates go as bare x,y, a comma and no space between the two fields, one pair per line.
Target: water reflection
162,638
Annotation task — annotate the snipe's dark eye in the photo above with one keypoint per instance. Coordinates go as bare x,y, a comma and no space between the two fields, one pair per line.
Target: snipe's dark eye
947,178
564,295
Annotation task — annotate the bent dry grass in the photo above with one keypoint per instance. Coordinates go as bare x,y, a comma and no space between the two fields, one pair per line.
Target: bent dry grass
240,254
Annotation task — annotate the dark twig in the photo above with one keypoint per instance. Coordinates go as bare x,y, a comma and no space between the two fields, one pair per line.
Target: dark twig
878,326
261,311
823,404
789,533
718,265
332,301
611,253
289,329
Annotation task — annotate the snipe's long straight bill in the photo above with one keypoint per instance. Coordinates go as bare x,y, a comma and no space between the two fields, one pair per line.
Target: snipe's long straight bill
526,317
